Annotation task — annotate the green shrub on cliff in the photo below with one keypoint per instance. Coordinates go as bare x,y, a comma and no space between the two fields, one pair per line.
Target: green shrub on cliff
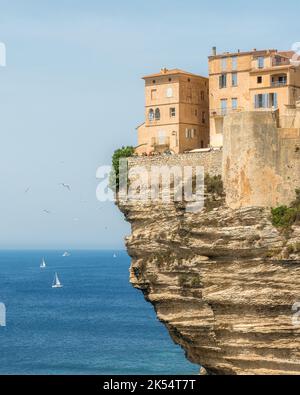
189,281
214,192
284,217
124,152
214,185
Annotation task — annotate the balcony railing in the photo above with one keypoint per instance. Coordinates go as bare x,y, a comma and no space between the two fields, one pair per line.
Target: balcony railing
278,83
221,112
160,142
280,62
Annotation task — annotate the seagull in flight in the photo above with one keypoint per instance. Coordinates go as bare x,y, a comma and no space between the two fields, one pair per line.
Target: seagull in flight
65,186
27,190
47,211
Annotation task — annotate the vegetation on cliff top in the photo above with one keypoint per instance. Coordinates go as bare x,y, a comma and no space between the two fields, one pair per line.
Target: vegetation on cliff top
214,191
284,217
214,184
124,152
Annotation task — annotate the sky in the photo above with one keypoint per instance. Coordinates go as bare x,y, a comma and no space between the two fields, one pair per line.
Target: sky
72,93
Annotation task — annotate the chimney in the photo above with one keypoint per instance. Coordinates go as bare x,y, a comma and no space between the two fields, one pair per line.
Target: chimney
214,51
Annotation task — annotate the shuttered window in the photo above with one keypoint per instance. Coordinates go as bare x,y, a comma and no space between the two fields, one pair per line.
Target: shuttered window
223,81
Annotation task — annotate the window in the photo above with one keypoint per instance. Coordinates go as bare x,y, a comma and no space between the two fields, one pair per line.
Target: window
196,113
202,95
161,137
157,114
234,62
259,80
274,100
202,144
282,80
169,92
266,100
151,115
224,106
224,64
260,62
189,133
234,79
234,103
153,94
261,101
276,60
223,81
172,112
203,117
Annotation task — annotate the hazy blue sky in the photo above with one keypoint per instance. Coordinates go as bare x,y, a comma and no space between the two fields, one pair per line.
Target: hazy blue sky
72,93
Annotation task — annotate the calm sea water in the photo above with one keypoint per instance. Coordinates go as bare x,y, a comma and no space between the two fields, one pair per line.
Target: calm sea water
96,324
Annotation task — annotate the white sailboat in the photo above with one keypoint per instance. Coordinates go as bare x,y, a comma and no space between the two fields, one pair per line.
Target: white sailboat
56,282
43,264
65,254
115,255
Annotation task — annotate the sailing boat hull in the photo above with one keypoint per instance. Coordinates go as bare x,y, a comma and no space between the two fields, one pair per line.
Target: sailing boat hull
56,282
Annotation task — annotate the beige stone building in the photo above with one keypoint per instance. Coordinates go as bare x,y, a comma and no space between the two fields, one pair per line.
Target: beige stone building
176,113
266,80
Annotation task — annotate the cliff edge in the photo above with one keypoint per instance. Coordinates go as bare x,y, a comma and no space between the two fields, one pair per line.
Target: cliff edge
223,281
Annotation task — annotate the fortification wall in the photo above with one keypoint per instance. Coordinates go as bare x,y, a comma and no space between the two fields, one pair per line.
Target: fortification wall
211,161
289,163
261,163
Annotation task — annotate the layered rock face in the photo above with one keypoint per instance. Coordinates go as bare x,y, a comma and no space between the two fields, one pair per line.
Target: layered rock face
224,282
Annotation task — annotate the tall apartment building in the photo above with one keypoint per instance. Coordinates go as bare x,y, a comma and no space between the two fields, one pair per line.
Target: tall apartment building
176,113
256,80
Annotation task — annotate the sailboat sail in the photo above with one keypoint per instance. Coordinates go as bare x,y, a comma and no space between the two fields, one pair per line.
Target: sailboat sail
43,264
56,283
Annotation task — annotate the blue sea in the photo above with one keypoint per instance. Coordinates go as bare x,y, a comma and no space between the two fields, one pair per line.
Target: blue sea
96,324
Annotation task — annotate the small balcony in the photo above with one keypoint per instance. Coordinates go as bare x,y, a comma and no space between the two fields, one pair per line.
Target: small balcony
222,112
278,83
160,144
279,80
280,61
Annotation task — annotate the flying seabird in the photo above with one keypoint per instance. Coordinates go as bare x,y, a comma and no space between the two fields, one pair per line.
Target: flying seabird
65,186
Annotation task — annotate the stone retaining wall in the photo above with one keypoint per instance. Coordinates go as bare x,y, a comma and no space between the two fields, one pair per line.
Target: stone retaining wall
211,161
